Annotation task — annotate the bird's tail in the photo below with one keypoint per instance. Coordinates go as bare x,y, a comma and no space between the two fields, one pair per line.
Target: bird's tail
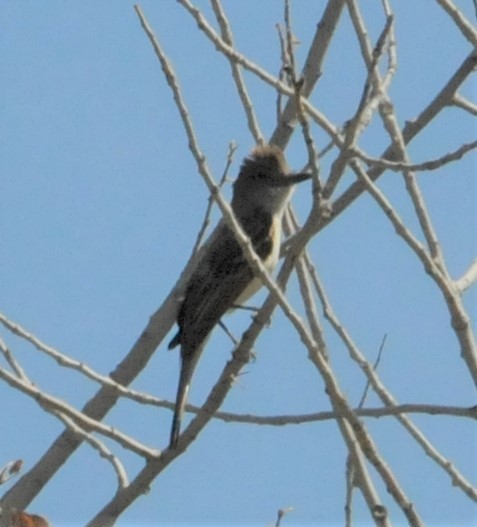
188,364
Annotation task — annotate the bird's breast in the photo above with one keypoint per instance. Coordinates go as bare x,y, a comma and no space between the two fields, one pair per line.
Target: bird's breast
270,261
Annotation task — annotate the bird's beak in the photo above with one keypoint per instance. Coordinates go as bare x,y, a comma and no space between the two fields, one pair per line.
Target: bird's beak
287,180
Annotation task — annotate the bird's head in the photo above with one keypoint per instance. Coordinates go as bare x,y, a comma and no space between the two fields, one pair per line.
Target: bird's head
264,181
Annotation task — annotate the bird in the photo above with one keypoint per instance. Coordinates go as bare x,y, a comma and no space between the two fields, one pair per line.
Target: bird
223,278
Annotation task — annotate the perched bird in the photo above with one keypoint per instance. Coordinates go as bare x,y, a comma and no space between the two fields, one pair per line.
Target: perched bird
223,278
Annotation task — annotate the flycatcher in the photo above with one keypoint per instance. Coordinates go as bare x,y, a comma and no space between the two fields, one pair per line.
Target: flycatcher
223,278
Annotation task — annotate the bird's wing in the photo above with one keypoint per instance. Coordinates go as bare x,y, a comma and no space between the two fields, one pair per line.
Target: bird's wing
220,278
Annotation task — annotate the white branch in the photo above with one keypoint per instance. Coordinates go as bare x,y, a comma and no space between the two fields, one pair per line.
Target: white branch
14,364
80,367
468,278
53,405
99,446
461,22
462,102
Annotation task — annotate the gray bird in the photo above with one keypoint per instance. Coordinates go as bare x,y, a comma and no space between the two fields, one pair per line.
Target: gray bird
223,278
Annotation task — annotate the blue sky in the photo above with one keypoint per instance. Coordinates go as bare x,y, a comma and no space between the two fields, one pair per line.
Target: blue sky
101,203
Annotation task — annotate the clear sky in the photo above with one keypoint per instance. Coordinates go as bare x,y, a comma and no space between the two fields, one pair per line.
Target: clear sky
101,204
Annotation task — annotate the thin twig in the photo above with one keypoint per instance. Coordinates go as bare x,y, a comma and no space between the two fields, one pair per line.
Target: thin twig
456,477
467,279
432,164
469,412
228,333
412,128
459,318
462,102
368,101
311,73
210,203
282,75
375,367
298,84
14,364
465,27
226,31
281,513
54,405
351,478
391,125
99,446
306,290
67,362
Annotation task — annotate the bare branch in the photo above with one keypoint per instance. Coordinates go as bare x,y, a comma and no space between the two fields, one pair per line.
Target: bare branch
366,106
14,364
100,447
390,123
206,220
80,367
432,164
281,513
412,128
468,278
298,86
462,102
456,477
385,411
459,318
55,406
232,54
375,367
461,22
291,224
237,74
311,72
